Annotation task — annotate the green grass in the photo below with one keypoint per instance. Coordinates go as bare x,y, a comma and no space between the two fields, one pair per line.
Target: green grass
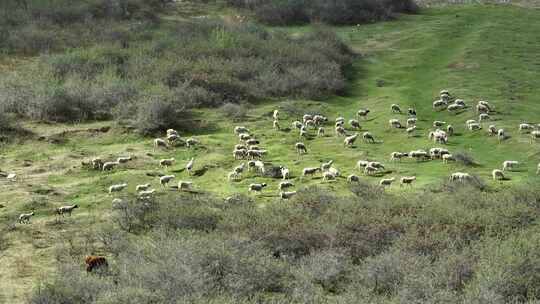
477,52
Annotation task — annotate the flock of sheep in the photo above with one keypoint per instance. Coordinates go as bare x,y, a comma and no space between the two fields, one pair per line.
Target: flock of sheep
249,151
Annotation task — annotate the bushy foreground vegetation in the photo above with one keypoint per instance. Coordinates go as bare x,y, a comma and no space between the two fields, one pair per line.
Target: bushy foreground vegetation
339,12
157,73
459,245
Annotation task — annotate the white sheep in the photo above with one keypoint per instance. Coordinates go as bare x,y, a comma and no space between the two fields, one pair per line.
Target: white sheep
310,171
189,165
362,164
349,140
147,193
535,135
411,112
437,152
410,130
387,181
107,166
123,160
395,108
455,107
407,180
240,154
355,124
240,168
340,131
483,117
275,115
340,120
474,126
256,154
525,127
303,132
97,163
328,176
363,113
297,124
158,142
497,174
411,121
275,125
470,121
375,164
244,136
319,119
300,148
439,104
310,123
419,155
307,117
252,141
509,164
460,102
368,170
368,137
397,156
259,165
287,195
450,130
256,187
66,210
24,218
485,103
394,123
12,177
285,185
320,132
117,188
334,171
353,178
171,132
166,162
184,185
285,173
142,187
492,130
171,138
165,179
448,157
481,109
190,142
326,166
233,176
501,134
460,177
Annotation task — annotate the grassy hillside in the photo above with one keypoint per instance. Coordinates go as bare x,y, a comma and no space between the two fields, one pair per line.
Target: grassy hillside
477,52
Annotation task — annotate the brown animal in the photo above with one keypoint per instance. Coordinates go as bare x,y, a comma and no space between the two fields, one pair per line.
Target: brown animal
95,262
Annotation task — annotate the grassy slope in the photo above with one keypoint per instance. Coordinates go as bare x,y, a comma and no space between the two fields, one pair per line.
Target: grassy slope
477,52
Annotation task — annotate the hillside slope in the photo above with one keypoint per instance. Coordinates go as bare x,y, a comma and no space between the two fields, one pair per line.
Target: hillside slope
476,52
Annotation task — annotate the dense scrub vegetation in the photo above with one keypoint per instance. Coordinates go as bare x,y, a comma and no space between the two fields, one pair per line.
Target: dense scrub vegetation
157,72
339,12
460,245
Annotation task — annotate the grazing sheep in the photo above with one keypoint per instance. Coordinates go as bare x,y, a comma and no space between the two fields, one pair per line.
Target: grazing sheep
482,109
171,138
240,147
376,165
275,115
470,121
327,165
95,262
394,123
66,210
147,193
11,177
142,187
355,124
353,178
310,123
171,132
166,162
340,131
97,163
319,119
407,180
189,165
285,185
233,176
501,135
109,165
448,157
395,108
255,154
240,129
460,102
296,124
320,132
328,176
256,187
509,164
362,164
252,142
287,195
334,171
184,185
165,179
368,137
363,113
368,170
117,188
24,218
419,155
411,121
535,135
190,142
300,148
474,126
240,154
497,174
525,127
485,104
259,165
244,136
397,156
307,117
444,92
438,123
310,171
483,117
123,160
303,132
410,130
158,142
240,168
492,130
285,173
437,152
387,181
455,107
340,120
439,104
275,125
349,140
460,177
411,112
450,130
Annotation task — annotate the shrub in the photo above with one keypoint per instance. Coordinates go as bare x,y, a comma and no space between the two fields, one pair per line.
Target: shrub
233,111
